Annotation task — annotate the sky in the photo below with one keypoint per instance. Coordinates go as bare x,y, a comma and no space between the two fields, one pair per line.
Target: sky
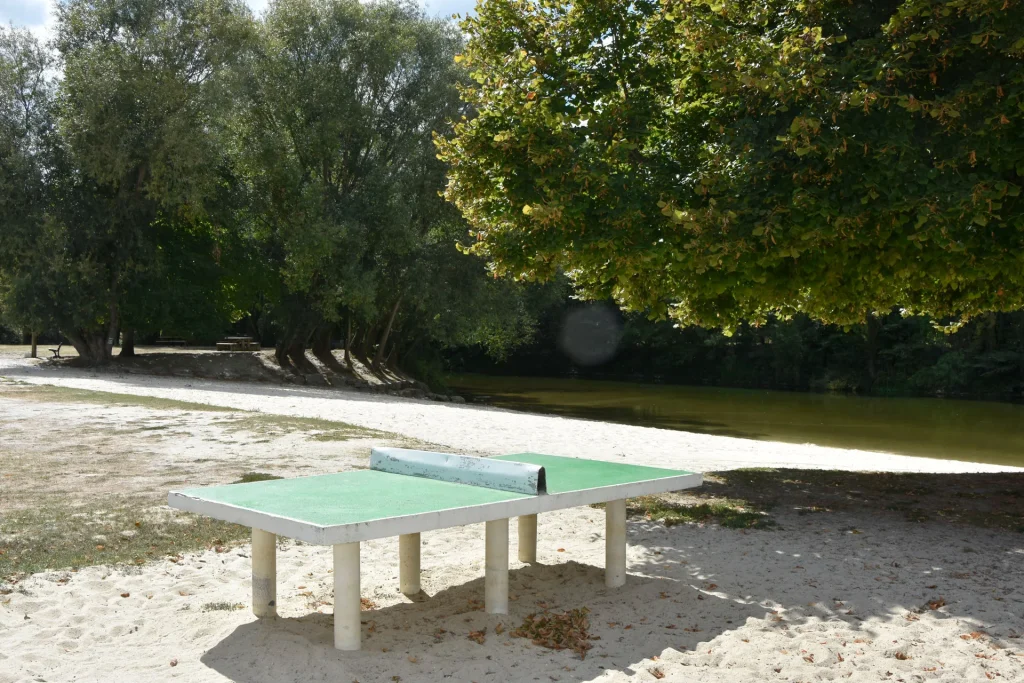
37,15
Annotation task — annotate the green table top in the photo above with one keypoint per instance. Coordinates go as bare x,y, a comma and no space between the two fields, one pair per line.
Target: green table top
365,496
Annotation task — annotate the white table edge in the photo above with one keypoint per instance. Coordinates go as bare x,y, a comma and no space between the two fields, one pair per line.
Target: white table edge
427,521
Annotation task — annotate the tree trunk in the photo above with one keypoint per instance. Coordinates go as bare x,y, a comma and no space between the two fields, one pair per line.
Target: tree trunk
127,343
34,345
348,340
382,345
291,350
322,348
874,326
91,346
363,348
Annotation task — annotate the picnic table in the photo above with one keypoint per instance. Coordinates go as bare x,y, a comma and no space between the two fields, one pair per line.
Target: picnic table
406,492
238,344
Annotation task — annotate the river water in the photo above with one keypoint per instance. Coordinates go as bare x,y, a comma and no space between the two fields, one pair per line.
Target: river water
978,431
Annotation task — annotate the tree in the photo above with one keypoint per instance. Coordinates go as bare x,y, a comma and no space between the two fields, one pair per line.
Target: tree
26,99
131,152
718,161
334,146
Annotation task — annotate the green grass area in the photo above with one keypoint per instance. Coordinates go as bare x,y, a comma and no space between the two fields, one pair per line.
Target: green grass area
53,535
731,514
249,477
54,394
323,430
221,606
237,420
989,501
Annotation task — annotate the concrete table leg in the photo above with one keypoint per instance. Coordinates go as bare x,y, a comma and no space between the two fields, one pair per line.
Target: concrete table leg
528,538
615,543
347,632
496,567
264,573
409,563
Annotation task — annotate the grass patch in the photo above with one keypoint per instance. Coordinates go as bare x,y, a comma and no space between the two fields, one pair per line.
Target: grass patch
222,606
56,536
240,420
49,393
989,501
728,513
277,425
249,477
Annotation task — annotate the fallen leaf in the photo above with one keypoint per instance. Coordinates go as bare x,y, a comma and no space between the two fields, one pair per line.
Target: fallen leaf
558,631
936,603
657,673
902,656
499,629
478,636
126,595
174,662
561,550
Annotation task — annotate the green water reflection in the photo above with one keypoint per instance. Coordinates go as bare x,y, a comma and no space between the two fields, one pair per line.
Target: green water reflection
958,430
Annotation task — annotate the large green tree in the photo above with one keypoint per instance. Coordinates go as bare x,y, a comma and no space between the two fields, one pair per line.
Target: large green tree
129,159
26,99
333,143
720,161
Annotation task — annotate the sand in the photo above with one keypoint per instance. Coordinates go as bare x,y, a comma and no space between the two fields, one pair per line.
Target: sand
848,596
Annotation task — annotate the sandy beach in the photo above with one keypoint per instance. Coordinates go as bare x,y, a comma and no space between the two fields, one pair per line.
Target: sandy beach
856,593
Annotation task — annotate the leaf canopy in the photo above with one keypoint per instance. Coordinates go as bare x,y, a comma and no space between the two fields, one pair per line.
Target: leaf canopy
723,161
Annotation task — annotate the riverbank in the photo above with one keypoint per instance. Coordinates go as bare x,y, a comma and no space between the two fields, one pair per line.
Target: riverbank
491,431
971,431
812,575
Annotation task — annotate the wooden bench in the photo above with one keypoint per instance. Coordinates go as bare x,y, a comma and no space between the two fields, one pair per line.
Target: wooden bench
56,351
170,341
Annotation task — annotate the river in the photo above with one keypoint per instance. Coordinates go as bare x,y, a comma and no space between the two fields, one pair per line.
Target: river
978,431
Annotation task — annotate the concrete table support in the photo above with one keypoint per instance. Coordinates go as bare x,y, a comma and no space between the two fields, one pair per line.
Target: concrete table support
615,543
496,567
409,563
264,573
528,538
347,633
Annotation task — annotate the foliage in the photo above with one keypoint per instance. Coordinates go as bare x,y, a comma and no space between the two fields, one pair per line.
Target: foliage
333,147
127,158
720,162
983,359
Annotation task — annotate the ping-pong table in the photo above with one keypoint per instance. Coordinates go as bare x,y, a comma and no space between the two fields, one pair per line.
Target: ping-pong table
406,492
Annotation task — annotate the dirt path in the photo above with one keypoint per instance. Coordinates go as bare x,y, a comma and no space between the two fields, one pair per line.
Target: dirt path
491,431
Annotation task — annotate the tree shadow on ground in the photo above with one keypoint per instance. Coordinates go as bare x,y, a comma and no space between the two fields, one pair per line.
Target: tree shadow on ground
991,501
429,640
